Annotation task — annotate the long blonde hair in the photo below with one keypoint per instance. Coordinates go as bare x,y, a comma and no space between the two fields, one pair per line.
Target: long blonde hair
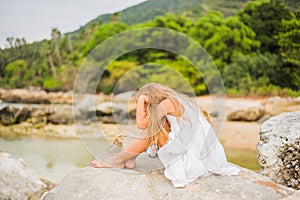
158,129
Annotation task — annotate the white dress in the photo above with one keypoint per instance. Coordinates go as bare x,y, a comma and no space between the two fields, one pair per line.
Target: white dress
193,149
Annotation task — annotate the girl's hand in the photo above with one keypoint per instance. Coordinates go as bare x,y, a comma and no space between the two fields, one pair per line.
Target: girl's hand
141,112
143,99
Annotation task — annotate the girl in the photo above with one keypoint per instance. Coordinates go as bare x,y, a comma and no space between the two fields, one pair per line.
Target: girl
173,125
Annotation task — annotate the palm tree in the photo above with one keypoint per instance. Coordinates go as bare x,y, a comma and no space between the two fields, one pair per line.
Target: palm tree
47,51
10,41
56,34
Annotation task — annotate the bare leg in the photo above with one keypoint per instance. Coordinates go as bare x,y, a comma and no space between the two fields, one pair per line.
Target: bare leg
123,159
126,158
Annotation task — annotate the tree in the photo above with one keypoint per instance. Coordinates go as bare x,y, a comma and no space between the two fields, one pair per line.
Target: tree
224,38
10,41
17,74
102,33
264,18
115,17
289,41
46,51
175,22
56,35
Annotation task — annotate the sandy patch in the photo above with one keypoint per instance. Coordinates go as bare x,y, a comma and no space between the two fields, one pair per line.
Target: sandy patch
240,135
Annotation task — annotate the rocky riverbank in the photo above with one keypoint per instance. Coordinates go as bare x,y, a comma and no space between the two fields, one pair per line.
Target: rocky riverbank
18,118
35,106
89,183
23,118
17,181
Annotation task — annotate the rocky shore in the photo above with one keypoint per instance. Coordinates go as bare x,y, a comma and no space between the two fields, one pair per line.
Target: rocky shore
88,183
17,181
36,112
277,138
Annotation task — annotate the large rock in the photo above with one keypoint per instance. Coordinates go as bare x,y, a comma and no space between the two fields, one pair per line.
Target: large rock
248,114
279,149
125,97
17,181
24,96
10,114
38,96
108,108
277,105
112,112
41,111
62,116
90,183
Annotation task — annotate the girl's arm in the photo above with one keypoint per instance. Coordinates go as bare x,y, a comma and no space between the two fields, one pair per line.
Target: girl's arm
167,107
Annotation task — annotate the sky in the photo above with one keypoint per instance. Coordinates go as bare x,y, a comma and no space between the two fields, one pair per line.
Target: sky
34,19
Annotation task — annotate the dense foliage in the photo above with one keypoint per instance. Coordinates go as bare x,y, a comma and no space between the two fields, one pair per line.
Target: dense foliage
256,48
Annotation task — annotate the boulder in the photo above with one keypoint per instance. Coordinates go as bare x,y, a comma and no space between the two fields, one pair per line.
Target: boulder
248,114
24,96
277,105
279,149
17,181
41,111
28,95
61,116
39,96
111,112
10,114
12,99
125,97
108,108
35,100
90,183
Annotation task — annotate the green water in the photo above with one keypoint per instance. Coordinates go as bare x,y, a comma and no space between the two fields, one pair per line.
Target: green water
55,158
243,158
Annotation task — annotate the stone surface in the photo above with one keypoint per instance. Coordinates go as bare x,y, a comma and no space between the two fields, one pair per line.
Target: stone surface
295,196
10,114
41,111
277,105
90,183
111,112
248,114
62,116
39,96
125,97
279,149
17,181
109,108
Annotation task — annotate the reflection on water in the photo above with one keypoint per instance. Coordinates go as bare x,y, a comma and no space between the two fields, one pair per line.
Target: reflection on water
53,159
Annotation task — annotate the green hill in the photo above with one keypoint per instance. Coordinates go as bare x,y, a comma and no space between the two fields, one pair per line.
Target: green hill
148,10
253,43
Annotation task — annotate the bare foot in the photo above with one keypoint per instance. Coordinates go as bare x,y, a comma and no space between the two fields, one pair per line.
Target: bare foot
130,164
109,162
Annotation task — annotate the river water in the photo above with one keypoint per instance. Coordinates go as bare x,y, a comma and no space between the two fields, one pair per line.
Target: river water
55,158
52,158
